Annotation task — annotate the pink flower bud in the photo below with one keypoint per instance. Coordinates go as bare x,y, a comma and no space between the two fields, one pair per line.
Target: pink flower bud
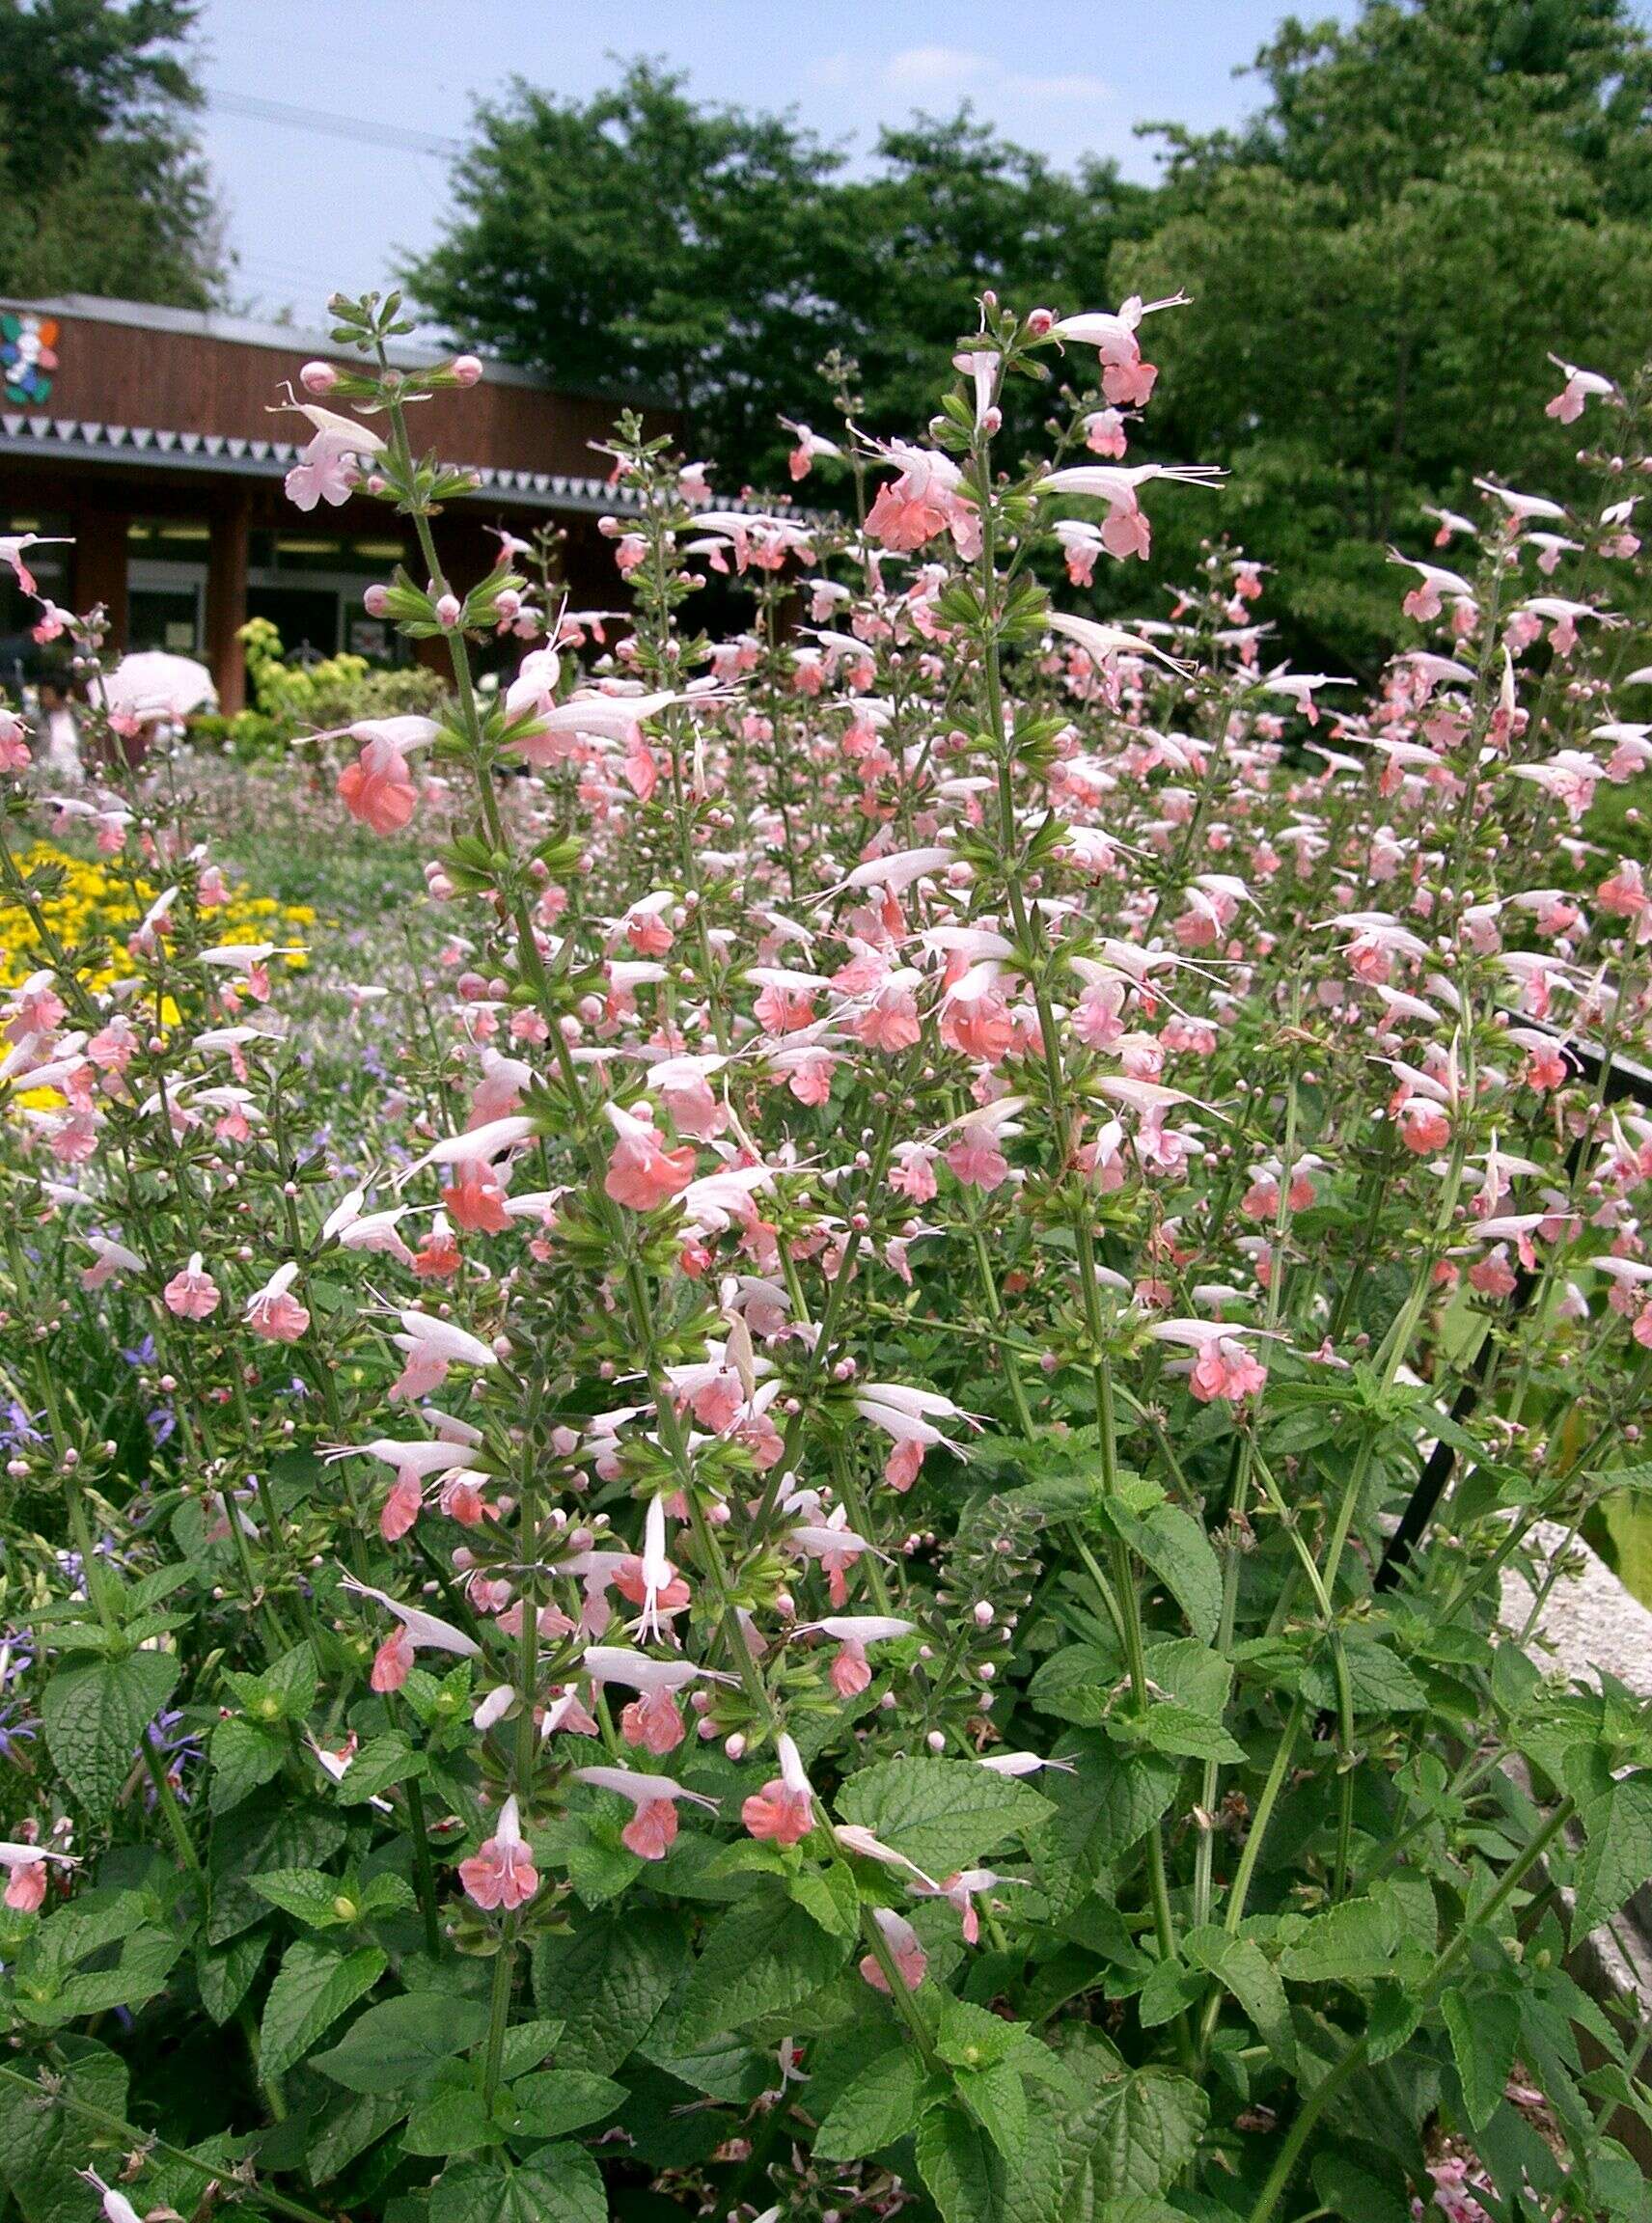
375,601
467,369
1039,322
317,377
448,611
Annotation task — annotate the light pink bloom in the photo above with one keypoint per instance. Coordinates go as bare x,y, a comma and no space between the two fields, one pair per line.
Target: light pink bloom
192,1294
275,1314
783,1811
501,1873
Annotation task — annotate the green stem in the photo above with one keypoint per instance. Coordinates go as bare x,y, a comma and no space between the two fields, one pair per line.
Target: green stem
499,2009
1354,2059
131,2139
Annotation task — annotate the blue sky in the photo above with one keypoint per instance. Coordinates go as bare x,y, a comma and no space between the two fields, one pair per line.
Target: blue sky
310,209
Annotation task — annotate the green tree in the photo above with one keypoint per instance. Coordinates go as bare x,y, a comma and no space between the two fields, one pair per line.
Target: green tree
1435,196
103,189
639,243
951,210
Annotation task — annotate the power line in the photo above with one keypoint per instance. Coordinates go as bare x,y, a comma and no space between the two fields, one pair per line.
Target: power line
330,126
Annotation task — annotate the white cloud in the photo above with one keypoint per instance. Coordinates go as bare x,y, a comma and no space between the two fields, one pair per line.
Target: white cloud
937,69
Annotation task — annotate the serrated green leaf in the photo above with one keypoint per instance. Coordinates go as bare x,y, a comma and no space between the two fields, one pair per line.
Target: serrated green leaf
1354,2193
997,2098
223,1973
306,1895
1354,1943
763,1956
245,1755
380,1762
554,2101
1616,1858
94,1716
1078,1684
266,1833
1177,1731
1243,1969
451,2120
42,2148
1147,2126
1101,1810
557,2185
1483,2026
1180,1553
882,2105
313,1988
394,2046
969,2036
608,1981
943,1814
970,2181
348,2129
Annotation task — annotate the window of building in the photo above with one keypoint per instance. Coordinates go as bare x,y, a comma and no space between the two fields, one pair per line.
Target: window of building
166,584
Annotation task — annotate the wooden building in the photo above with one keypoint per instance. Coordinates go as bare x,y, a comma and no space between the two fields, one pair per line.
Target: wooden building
146,436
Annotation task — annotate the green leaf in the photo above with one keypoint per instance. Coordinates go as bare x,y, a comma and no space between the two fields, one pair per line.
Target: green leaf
970,2181
94,1716
1192,1674
270,1832
313,1988
943,1814
1181,1555
285,1691
146,1960
1352,2192
1146,2127
451,2120
997,2098
968,2037
1484,2029
244,1755
608,1980
527,2046
882,2105
381,1762
1109,1803
223,1973
1241,1966
556,2100
763,1956
393,2045
558,2184
1175,1729
1393,2015
1616,1858
357,2121
308,1895
42,2148
1078,1684
1352,1944
828,1895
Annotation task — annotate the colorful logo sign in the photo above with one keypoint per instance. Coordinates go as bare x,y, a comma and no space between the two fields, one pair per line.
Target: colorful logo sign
28,355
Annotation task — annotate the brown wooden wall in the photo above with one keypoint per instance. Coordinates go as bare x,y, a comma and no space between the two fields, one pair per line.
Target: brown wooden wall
180,381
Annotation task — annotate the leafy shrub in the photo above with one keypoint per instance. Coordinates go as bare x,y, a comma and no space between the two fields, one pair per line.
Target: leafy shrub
770,1582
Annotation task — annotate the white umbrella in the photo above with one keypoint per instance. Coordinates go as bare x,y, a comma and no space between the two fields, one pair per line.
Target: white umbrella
156,685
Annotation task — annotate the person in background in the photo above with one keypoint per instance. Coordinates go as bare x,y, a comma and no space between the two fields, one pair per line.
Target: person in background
57,753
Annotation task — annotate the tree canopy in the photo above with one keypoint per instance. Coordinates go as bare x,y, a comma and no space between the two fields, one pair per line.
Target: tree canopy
1426,201
1433,198
640,244
102,188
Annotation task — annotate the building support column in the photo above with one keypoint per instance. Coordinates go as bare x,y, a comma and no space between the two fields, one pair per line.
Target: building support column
227,599
100,568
